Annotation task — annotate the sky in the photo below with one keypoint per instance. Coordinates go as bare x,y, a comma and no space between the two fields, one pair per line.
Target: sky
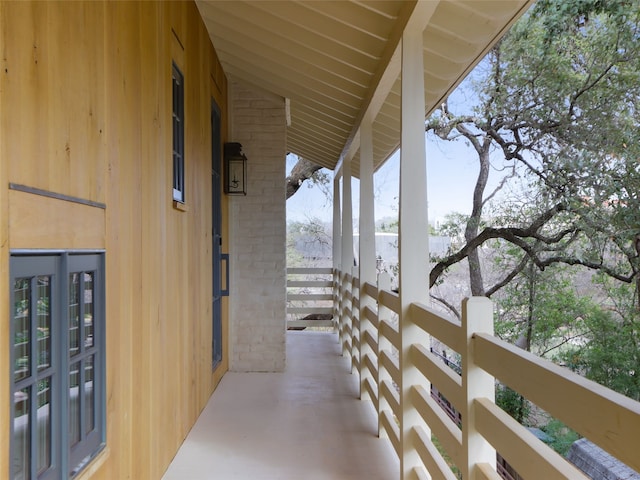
451,174
452,170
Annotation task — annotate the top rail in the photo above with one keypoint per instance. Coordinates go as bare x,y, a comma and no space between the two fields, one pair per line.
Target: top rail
444,329
603,416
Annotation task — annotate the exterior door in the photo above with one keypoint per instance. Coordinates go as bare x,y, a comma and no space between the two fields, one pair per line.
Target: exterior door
216,209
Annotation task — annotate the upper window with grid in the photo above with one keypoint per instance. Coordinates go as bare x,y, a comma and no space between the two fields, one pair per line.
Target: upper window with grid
178,134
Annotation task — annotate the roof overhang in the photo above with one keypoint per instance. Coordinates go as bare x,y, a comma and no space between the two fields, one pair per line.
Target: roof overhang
338,62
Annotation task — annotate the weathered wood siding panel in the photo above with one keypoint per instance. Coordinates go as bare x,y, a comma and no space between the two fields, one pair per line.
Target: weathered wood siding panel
85,110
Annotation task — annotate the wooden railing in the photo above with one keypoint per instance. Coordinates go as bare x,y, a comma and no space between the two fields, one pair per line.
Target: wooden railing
309,297
370,338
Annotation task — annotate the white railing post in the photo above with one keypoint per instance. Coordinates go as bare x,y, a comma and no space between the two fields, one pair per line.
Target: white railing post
367,243
413,229
346,256
355,323
336,299
477,317
335,252
384,283
343,308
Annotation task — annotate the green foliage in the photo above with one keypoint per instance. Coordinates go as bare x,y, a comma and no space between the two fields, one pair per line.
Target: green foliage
387,224
609,352
539,310
453,226
312,235
454,469
562,436
513,403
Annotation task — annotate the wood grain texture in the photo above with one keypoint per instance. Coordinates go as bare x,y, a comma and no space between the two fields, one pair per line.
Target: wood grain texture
86,103
36,221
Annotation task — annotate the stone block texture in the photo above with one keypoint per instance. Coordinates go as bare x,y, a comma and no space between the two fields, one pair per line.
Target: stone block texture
257,224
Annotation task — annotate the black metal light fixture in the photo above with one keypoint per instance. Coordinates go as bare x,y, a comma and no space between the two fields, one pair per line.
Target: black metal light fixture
235,171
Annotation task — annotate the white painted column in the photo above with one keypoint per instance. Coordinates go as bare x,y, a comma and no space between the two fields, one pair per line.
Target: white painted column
346,256
367,245
337,246
413,237
384,284
477,317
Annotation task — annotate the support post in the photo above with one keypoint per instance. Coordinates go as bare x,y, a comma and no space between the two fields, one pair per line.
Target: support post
335,252
384,283
355,322
347,241
413,238
477,317
367,246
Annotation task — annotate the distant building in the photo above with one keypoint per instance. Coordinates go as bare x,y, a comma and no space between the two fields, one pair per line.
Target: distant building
387,248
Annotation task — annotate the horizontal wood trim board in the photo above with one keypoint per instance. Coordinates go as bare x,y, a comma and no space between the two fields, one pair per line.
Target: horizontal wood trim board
390,300
368,338
310,283
309,323
311,297
392,429
390,365
428,453
419,474
370,289
371,315
444,329
529,456
39,222
389,332
484,471
389,393
309,271
57,196
310,310
373,393
448,433
552,387
370,365
448,382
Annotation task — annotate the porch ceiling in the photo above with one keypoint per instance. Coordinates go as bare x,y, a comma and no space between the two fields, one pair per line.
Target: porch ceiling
338,61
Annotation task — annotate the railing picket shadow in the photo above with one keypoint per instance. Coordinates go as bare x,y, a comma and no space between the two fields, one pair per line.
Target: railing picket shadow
458,407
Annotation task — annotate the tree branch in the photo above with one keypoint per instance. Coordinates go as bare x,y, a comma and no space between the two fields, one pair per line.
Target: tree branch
301,171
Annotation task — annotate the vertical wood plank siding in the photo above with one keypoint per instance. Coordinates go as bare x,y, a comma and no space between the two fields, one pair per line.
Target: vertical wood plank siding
85,107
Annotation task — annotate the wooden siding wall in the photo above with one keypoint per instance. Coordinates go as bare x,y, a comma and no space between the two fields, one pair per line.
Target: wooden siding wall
85,110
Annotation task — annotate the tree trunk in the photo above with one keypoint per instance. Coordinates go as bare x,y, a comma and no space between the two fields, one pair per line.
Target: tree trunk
476,281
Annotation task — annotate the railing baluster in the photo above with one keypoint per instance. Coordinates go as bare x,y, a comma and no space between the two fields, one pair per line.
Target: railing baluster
366,329
384,283
477,317
355,323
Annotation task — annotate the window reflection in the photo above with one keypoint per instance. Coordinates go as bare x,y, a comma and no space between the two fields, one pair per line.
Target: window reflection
22,328
74,314
43,302
21,436
44,425
89,395
74,404
88,309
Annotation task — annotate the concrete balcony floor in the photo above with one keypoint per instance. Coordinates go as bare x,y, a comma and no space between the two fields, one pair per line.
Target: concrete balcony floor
304,424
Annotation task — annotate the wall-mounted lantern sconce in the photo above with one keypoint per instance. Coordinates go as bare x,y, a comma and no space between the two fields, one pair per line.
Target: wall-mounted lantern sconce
235,171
